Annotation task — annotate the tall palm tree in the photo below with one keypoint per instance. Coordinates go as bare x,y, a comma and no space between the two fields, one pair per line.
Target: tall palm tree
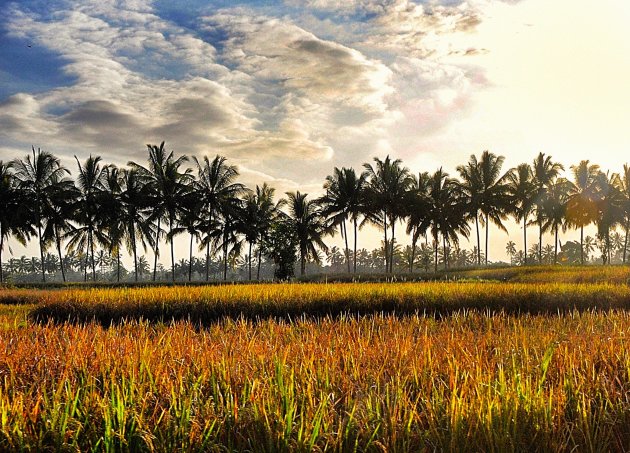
545,172
89,213
58,213
623,185
113,212
215,186
388,181
37,175
342,202
446,212
259,212
135,203
609,202
471,188
310,227
168,185
417,207
494,199
521,196
189,222
555,209
581,205
14,218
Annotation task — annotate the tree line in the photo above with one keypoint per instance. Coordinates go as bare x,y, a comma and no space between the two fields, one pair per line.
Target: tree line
141,206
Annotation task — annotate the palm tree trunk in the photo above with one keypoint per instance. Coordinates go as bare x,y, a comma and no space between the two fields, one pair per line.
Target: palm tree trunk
87,260
156,249
249,258
345,236
63,271
170,233
302,261
582,245
225,254
444,251
391,254
1,247
625,242
190,257
540,242
478,239
386,243
435,243
41,250
92,253
555,252
135,252
487,230
259,263
355,245
525,240
118,265
208,258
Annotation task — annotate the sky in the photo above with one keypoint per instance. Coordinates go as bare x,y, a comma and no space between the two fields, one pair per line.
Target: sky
290,89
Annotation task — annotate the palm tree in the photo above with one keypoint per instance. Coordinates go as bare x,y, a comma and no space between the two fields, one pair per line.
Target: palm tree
189,222
445,213
510,249
113,212
417,206
343,201
471,188
581,205
168,185
215,186
310,227
89,214
14,218
623,185
545,172
521,196
555,209
259,212
38,175
59,212
387,184
609,202
135,204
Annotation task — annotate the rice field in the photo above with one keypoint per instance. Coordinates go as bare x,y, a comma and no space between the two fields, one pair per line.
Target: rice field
464,366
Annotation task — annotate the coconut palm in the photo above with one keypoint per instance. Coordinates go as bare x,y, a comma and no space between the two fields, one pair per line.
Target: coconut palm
510,249
310,226
168,186
521,196
189,222
388,181
623,185
14,217
215,185
445,213
417,206
89,213
545,172
342,202
38,174
259,212
135,202
609,202
555,208
581,205
60,210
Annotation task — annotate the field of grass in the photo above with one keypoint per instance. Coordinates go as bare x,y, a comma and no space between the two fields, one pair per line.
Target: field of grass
460,366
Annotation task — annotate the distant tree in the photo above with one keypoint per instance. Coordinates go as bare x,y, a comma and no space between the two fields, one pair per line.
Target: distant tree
521,190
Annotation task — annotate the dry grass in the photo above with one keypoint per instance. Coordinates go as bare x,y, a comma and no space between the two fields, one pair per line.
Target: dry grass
487,374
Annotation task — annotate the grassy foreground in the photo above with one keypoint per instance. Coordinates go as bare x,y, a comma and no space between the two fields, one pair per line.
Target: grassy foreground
502,367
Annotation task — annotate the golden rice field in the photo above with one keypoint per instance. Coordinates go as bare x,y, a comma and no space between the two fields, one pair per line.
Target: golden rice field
468,366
